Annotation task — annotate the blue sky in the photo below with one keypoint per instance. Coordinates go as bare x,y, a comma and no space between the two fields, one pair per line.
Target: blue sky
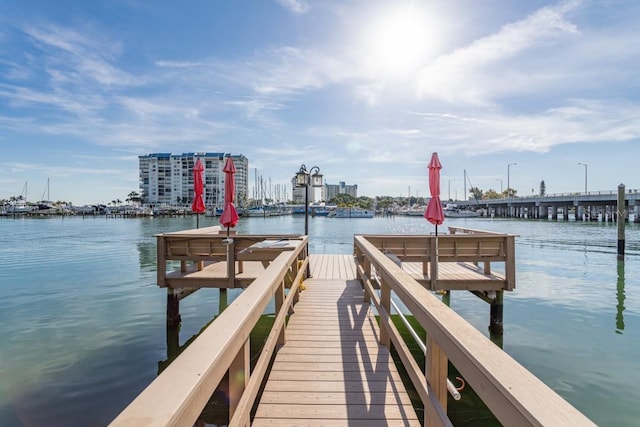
366,90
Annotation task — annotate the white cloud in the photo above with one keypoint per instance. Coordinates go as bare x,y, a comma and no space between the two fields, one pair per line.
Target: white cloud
298,7
489,67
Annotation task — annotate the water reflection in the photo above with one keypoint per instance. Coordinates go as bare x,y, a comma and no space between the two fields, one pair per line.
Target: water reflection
621,297
147,255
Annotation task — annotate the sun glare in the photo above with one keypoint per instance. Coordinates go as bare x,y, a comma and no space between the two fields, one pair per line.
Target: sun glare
398,41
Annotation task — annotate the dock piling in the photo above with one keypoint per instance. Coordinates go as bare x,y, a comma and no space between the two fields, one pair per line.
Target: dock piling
621,216
173,308
496,312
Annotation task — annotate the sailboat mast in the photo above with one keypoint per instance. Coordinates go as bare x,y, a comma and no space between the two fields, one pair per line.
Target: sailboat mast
465,186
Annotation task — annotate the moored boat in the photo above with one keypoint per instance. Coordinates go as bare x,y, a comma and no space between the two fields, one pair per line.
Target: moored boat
453,211
351,213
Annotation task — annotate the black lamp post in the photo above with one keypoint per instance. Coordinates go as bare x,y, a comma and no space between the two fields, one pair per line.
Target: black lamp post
306,179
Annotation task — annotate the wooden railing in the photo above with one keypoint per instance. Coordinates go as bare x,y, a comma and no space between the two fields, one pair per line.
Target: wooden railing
474,247
514,395
178,395
194,248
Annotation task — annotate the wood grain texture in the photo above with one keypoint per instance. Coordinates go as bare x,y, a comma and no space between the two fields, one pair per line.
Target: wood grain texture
332,371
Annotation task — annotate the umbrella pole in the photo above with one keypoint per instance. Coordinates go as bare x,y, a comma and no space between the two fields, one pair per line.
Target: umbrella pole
436,229
197,220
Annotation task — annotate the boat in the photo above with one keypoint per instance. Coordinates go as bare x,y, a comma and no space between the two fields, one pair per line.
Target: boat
454,211
351,213
297,210
413,211
321,209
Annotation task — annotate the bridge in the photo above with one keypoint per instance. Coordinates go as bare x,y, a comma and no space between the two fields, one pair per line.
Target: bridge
327,358
590,206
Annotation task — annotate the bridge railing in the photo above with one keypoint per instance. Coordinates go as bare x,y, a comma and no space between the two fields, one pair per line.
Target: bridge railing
178,395
513,394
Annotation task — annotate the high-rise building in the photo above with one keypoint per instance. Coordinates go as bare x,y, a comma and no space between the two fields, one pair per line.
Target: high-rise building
329,191
167,178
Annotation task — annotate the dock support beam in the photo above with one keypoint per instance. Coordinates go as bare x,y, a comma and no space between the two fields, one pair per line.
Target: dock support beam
173,308
495,316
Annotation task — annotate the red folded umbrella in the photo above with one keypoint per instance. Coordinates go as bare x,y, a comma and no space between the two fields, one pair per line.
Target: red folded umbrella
434,213
229,217
197,205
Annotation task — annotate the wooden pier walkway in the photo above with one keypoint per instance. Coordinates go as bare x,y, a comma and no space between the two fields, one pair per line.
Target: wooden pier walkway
332,370
326,359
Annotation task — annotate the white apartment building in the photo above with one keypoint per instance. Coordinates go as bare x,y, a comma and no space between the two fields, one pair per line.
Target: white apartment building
167,178
329,191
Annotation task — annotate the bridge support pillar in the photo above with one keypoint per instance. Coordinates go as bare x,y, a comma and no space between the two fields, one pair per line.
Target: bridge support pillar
554,213
496,314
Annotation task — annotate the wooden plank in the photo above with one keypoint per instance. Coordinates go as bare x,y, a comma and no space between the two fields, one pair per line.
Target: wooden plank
336,412
329,386
332,368
326,366
327,355
356,397
305,422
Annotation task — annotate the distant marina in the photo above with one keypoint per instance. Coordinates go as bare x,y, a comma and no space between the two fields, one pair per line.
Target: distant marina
592,206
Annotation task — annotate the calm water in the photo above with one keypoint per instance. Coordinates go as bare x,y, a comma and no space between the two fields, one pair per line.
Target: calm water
82,320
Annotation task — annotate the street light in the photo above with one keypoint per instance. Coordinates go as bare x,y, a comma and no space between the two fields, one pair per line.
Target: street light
312,178
508,178
500,179
452,179
585,176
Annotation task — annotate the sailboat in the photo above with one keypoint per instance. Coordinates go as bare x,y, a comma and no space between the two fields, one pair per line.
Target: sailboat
20,204
45,204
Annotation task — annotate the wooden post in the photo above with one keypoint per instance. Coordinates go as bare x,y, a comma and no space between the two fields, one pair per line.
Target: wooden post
279,302
366,264
433,271
495,317
173,308
238,377
436,373
231,263
385,302
621,213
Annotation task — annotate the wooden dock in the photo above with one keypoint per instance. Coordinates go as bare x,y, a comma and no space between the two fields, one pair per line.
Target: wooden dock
326,359
332,370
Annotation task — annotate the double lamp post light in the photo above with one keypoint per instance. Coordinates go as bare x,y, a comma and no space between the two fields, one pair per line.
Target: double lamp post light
306,179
